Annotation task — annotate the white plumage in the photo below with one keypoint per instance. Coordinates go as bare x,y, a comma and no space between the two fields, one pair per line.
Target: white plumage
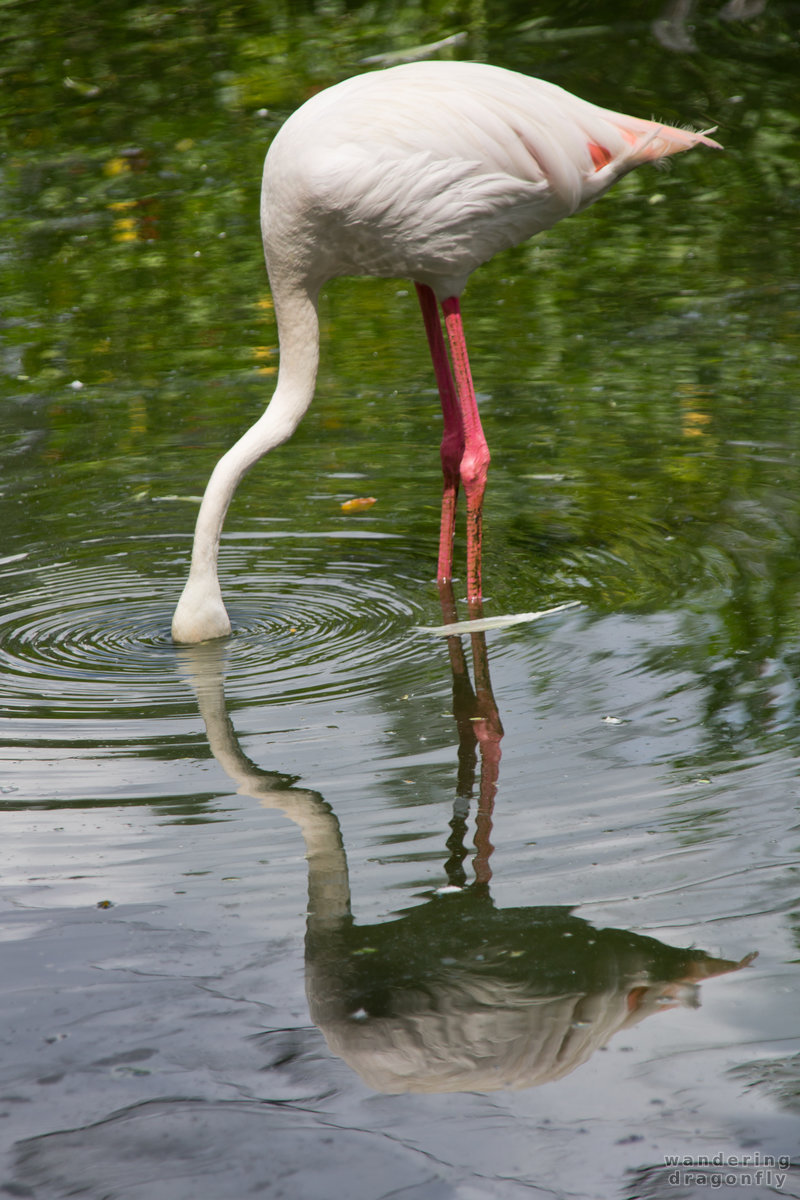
423,171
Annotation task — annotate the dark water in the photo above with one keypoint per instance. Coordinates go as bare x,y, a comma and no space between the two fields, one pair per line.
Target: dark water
343,907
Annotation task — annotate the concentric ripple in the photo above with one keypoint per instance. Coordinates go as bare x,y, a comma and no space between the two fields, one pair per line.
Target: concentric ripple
315,627
89,639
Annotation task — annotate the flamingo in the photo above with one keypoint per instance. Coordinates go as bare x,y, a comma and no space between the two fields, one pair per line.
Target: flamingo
424,171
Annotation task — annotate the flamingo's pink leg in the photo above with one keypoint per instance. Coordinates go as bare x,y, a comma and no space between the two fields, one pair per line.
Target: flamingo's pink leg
452,448
475,459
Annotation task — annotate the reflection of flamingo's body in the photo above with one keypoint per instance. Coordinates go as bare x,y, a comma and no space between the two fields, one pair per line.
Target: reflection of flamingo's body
455,994
423,171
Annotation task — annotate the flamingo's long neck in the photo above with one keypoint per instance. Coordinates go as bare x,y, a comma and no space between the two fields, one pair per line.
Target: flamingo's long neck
201,614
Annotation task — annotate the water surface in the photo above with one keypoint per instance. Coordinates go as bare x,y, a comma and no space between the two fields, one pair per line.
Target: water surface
341,906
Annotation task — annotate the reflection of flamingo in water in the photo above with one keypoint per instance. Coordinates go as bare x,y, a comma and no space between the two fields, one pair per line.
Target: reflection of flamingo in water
423,171
455,994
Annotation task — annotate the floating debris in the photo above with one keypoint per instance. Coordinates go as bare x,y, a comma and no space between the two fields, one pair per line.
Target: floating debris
483,623
358,504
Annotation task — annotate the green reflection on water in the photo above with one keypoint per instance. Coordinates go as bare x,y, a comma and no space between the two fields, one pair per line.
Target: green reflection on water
638,366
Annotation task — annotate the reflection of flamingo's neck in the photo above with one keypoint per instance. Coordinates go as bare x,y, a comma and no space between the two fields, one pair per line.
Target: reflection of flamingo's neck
328,883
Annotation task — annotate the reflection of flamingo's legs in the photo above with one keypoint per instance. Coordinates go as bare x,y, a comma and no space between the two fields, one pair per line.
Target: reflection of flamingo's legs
489,731
478,724
454,867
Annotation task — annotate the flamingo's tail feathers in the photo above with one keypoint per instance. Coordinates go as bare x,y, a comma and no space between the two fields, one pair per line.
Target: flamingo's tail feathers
646,141
652,141
667,139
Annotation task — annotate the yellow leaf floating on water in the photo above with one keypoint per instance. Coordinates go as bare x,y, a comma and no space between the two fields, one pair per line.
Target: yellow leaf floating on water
358,504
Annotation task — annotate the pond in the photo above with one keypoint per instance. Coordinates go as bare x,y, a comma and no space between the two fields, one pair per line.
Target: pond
343,905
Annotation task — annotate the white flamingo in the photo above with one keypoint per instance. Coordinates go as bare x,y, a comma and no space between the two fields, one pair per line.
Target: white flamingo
425,171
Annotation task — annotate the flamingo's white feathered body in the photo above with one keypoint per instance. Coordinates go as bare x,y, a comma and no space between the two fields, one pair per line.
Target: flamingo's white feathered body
424,171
